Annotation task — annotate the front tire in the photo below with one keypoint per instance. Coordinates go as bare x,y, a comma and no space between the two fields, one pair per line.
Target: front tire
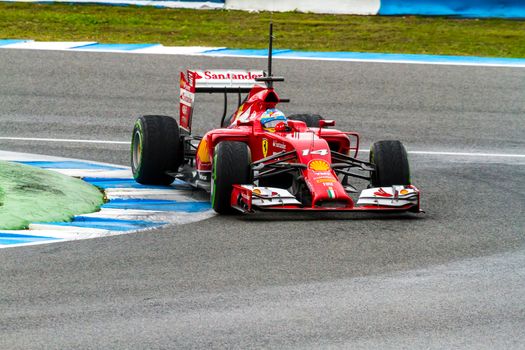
156,148
231,165
391,163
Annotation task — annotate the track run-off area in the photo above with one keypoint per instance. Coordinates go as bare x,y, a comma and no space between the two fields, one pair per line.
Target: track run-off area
453,277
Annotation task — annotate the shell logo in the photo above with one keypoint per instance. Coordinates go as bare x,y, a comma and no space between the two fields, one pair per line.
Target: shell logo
403,192
319,165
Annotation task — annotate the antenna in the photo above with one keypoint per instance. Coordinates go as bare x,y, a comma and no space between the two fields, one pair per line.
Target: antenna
270,49
269,78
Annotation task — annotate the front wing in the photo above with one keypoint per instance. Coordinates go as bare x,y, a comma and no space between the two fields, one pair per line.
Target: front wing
249,198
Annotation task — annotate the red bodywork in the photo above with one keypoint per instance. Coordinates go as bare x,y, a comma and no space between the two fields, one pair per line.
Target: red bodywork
312,146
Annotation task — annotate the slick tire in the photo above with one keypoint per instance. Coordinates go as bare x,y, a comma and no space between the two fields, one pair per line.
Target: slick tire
231,165
311,120
156,147
391,163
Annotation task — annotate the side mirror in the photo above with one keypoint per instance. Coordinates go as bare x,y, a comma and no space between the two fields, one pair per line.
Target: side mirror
324,123
281,127
297,125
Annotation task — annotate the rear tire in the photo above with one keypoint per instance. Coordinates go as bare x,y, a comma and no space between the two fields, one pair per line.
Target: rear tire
391,163
311,120
231,165
156,147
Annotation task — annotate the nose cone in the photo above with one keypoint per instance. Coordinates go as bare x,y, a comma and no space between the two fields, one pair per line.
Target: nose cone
325,187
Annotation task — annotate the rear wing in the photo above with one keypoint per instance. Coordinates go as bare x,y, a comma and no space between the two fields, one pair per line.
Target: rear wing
213,81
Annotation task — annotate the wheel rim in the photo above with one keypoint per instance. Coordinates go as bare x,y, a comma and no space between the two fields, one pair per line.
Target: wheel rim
137,149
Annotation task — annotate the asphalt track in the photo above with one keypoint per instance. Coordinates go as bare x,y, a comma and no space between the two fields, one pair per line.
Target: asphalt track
451,278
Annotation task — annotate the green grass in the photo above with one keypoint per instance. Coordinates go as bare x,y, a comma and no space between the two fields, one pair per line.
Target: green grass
29,194
236,29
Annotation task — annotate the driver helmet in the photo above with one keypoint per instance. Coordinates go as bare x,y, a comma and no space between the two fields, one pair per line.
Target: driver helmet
271,117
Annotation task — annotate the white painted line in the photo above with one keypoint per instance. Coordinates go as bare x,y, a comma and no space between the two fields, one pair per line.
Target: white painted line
371,60
63,140
460,154
151,215
125,214
96,173
58,240
292,55
27,157
146,193
53,45
176,50
364,150
444,62
65,232
464,154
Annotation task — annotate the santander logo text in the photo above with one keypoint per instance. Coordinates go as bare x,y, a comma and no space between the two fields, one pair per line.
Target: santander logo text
240,75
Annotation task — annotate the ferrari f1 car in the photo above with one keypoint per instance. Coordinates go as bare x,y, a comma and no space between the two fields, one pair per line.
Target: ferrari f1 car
260,160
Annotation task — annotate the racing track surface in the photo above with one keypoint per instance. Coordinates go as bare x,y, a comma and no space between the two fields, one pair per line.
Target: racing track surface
451,278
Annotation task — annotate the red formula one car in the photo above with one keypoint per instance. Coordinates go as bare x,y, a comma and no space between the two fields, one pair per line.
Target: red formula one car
262,160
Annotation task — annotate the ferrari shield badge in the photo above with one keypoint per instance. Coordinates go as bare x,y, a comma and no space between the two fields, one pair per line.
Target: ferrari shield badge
264,147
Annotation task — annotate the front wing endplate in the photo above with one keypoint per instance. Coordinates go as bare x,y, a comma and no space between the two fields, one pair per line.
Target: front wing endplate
247,198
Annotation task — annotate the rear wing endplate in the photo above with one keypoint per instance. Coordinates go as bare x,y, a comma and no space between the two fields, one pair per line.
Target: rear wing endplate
212,81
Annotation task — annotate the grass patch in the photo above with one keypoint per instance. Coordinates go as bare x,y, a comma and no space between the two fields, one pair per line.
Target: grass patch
29,194
237,29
